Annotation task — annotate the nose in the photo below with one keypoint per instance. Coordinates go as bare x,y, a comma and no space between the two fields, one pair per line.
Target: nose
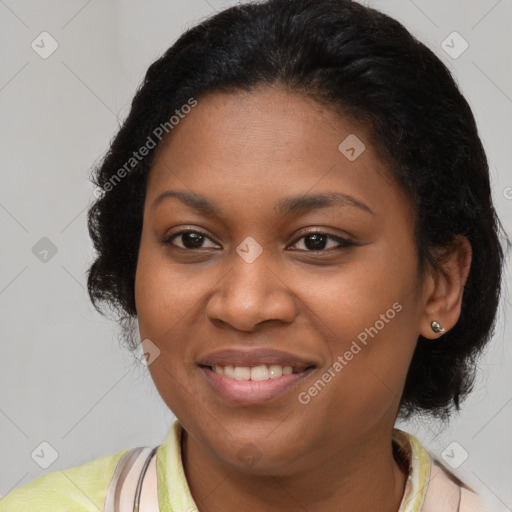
250,294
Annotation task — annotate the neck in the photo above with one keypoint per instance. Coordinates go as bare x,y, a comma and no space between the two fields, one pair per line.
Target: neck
364,479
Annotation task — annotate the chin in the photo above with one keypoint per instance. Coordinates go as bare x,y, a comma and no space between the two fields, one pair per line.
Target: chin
260,457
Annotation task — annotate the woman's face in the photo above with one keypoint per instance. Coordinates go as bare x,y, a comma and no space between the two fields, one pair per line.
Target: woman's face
233,272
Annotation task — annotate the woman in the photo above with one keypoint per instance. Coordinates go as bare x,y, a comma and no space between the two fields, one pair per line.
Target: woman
297,212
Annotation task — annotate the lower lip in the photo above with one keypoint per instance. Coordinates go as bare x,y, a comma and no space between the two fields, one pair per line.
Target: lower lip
252,391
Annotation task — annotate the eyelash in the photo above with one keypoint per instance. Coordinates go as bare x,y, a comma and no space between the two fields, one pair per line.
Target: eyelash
344,243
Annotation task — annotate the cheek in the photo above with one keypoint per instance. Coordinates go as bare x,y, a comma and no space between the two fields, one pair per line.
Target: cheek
162,307
163,295
353,295
367,312
362,384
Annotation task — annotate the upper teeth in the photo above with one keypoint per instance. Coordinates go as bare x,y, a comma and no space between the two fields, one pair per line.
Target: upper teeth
262,372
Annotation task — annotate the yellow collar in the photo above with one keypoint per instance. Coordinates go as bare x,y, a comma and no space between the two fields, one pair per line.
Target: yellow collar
418,462
174,492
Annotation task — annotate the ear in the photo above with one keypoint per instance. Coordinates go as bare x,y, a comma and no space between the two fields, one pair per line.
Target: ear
444,287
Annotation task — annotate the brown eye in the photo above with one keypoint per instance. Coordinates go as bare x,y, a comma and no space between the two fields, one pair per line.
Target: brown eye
189,239
317,241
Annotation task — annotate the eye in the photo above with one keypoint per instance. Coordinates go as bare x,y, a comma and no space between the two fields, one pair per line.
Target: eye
190,239
313,241
317,241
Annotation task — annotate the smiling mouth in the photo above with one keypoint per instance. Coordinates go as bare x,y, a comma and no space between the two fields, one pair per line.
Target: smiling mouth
250,385
261,372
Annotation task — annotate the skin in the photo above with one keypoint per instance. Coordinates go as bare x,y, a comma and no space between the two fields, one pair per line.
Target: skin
245,151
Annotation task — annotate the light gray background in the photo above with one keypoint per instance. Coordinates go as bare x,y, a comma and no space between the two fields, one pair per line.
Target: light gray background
63,378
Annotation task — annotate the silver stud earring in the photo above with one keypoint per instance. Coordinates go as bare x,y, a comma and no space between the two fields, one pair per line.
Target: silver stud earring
437,327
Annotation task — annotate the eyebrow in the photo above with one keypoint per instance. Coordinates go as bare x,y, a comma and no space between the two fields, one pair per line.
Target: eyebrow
286,206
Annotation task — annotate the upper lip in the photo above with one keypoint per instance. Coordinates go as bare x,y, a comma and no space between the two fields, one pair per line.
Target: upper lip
255,357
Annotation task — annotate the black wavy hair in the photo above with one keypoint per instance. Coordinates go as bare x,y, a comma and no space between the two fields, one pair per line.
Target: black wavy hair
367,65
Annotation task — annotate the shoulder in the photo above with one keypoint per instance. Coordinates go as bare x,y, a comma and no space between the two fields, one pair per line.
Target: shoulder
447,492
432,487
77,489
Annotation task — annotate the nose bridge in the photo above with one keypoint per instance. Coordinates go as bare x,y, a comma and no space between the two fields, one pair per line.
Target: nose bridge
250,272
250,281
251,292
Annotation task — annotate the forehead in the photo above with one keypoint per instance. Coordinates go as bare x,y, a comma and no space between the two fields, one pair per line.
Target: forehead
265,144
264,122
